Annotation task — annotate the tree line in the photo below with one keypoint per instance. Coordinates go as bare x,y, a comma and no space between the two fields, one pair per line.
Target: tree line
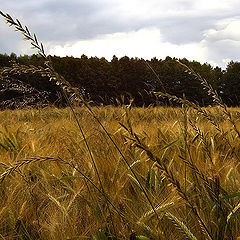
104,82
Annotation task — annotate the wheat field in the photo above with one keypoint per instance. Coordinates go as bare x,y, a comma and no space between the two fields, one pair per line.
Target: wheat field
118,172
173,174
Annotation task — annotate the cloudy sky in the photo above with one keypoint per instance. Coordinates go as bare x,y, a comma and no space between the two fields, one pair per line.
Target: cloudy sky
202,30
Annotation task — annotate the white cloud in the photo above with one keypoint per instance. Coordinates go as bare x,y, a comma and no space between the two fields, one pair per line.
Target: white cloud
225,30
226,60
223,41
213,4
144,43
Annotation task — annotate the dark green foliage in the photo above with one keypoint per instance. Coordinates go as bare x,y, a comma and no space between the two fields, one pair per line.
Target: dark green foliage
119,80
26,88
231,84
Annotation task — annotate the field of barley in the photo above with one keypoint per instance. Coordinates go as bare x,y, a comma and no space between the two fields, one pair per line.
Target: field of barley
120,173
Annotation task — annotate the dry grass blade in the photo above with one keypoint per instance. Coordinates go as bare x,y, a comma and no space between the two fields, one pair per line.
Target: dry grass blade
18,26
49,70
21,163
94,185
148,215
171,178
213,93
181,226
233,212
63,209
192,105
19,69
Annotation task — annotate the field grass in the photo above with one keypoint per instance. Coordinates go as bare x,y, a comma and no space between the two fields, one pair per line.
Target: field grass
174,174
115,172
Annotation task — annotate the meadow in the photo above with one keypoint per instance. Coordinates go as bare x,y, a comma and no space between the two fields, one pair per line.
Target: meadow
118,172
146,173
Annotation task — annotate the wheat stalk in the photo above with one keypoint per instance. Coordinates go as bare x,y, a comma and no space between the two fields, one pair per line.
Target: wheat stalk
214,94
26,33
236,208
67,89
149,214
181,226
170,177
20,163
66,86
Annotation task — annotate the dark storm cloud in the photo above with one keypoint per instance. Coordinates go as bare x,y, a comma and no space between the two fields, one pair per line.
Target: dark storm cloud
60,20
69,20
57,21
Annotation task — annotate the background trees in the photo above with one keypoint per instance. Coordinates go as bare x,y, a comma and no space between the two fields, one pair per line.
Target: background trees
230,84
103,82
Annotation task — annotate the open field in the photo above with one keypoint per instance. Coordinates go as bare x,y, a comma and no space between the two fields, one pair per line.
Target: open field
118,172
173,174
